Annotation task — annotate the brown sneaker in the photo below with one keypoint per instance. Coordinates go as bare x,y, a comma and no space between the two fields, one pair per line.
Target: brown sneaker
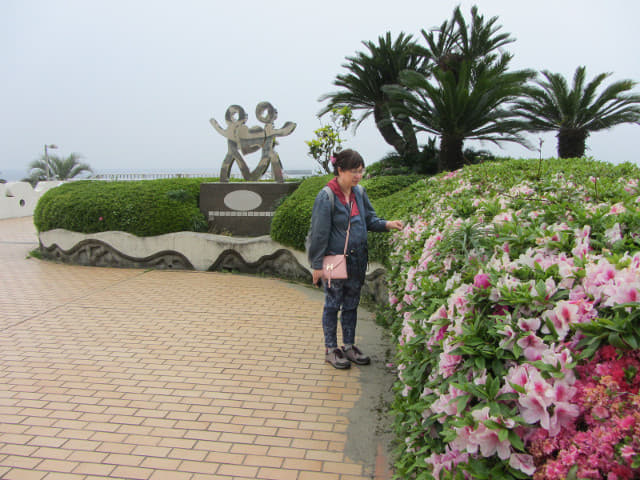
336,358
355,355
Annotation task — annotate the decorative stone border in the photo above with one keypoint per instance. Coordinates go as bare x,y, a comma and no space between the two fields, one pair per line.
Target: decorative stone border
19,199
191,251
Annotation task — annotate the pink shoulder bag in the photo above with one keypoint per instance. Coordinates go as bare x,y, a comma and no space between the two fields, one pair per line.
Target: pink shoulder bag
335,266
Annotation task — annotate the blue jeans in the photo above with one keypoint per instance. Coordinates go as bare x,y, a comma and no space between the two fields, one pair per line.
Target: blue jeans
342,295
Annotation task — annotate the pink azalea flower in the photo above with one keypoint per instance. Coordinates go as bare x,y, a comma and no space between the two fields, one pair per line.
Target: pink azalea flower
564,413
529,324
613,234
532,346
503,217
447,403
563,392
518,375
406,334
627,453
463,434
490,444
440,313
625,293
448,363
631,186
522,462
617,209
481,280
626,422
485,439
533,409
600,412
509,341
564,314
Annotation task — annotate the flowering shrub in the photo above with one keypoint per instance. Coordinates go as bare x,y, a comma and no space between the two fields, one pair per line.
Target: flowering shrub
604,441
510,292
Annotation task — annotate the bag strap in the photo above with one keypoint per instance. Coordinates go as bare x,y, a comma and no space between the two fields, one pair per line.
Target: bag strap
346,240
332,195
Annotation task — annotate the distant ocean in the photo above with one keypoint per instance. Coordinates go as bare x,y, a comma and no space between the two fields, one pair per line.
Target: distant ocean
12,175
16,175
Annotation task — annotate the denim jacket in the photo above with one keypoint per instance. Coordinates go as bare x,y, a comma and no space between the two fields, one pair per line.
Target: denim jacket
329,229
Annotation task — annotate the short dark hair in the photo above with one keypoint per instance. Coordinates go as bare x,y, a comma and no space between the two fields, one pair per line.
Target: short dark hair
347,160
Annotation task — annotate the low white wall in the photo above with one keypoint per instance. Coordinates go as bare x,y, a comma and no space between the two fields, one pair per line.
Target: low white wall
19,199
201,249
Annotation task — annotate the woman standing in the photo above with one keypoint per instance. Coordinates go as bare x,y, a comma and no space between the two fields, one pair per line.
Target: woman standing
345,206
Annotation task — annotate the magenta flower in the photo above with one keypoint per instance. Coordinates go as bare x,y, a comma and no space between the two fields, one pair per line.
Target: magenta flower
481,280
628,452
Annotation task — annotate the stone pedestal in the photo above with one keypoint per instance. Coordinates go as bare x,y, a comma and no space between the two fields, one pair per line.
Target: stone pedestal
243,208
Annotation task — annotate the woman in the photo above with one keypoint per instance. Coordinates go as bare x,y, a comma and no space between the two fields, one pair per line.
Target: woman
343,202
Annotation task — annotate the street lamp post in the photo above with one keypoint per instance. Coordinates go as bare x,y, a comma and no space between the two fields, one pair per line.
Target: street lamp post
46,158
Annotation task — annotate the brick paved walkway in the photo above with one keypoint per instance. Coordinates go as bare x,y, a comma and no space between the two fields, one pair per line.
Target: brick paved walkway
133,374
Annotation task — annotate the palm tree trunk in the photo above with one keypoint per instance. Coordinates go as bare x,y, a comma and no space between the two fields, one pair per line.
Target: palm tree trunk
408,135
572,142
385,125
451,157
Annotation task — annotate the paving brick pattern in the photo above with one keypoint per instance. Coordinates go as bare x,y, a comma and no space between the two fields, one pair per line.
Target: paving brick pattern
154,375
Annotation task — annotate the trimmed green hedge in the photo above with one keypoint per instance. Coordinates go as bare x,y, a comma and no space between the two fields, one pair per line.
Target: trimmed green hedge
142,208
291,221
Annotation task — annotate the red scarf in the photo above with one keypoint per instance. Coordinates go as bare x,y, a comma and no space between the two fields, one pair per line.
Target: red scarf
335,188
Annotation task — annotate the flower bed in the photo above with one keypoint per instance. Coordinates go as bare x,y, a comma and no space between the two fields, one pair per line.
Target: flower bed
517,296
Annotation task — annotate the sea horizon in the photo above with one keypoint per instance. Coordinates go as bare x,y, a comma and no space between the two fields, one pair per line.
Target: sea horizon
12,175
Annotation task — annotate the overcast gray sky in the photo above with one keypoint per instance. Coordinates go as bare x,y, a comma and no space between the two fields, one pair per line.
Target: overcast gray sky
132,84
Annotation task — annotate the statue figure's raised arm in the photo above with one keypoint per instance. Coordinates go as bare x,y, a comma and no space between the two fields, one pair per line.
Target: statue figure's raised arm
219,129
286,129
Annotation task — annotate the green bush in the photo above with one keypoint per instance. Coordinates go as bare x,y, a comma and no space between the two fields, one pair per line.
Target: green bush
142,208
380,187
292,219
397,206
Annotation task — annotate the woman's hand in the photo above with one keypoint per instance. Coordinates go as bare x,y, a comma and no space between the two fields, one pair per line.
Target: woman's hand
395,225
317,278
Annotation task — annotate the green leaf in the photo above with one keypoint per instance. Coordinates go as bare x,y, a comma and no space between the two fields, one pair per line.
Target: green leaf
516,441
518,388
631,340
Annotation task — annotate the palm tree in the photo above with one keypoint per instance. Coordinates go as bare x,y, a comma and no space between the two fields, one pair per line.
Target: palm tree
456,108
59,168
467,91
455,41
575,113
362,87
